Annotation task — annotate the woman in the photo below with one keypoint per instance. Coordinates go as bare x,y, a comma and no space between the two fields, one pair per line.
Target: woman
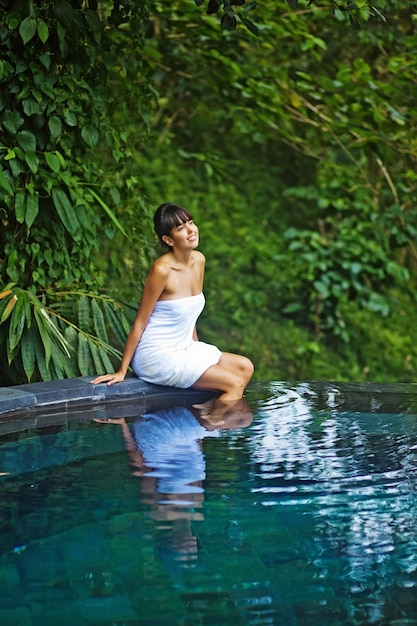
163,345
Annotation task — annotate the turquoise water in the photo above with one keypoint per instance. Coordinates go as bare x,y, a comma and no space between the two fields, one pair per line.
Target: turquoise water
299,509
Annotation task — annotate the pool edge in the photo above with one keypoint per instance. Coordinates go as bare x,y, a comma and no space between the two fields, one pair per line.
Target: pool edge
79,392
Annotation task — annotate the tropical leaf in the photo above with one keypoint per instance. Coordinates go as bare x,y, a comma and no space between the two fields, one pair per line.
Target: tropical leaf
5,293
98,362
19,205
32,208
54,330
16,326
44,336
115,323
84,320
49,344
71,337
8,308
43,31
27,29
5,183
66,213
85,361
58,361
99,325
40,355
27,351
108,366
53,161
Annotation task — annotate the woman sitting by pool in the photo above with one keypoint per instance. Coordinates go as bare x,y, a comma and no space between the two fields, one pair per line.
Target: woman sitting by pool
163,346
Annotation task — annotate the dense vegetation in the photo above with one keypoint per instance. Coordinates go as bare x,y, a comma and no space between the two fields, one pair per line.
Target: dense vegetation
295,149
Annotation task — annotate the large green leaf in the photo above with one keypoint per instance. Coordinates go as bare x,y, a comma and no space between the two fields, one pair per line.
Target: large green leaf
43,31
12,121
53,161
85,361
27,350
41,358
98,318
98,362
27,29
16,325
90,136
19,205
8,307
66,212
107,364
84,319
44,336
55,126
32,208
115,323
5,183
58,361
26,140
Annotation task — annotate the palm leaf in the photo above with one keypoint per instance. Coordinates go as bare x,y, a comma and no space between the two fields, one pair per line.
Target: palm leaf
41,360
85,361
108,366
54,330
98,363
27,350
115,323
44,336
16,326
99,324
84,320
7,311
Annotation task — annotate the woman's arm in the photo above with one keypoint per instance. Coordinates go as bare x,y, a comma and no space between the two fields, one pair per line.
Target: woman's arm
201,263
154,286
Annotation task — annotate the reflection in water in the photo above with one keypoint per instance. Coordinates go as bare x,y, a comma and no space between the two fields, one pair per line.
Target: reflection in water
165,450
353,478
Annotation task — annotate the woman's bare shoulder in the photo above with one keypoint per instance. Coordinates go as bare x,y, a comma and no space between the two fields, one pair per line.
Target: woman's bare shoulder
199,257
160,267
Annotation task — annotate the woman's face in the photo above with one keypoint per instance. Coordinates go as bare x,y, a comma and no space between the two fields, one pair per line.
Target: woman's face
184,236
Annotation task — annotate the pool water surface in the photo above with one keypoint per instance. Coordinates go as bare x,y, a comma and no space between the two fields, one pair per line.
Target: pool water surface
298,509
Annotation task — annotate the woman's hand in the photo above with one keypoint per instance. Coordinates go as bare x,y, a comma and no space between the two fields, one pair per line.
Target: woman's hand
110,379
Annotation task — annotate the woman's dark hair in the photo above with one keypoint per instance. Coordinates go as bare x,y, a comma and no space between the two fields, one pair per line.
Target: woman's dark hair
168,216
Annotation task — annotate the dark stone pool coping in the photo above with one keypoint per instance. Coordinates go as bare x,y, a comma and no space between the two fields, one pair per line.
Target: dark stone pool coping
75,393
79,392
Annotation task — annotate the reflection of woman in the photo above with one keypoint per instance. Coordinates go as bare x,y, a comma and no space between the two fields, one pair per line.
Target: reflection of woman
170,443
163,345
165,444
165,450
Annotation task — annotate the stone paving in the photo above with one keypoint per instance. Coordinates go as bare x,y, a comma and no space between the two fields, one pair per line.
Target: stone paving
76,392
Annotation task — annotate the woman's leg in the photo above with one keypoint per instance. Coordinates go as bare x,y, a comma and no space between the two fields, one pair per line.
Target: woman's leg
230,376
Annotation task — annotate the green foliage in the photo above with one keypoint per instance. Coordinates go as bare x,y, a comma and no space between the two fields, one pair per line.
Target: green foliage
59,192
230,15
299,165
46,339
235,11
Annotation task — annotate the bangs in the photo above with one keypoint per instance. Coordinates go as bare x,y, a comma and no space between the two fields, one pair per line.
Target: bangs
177,217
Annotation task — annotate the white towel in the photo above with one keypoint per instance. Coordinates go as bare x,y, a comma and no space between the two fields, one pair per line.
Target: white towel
167,353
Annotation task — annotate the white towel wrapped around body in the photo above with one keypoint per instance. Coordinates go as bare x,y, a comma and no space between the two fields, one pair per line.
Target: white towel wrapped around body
167,353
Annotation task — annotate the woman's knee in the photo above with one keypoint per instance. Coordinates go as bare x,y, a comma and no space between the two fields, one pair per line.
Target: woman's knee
238,364
247,368
244,374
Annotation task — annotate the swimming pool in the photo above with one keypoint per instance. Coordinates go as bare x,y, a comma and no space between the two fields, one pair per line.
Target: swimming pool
299,509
